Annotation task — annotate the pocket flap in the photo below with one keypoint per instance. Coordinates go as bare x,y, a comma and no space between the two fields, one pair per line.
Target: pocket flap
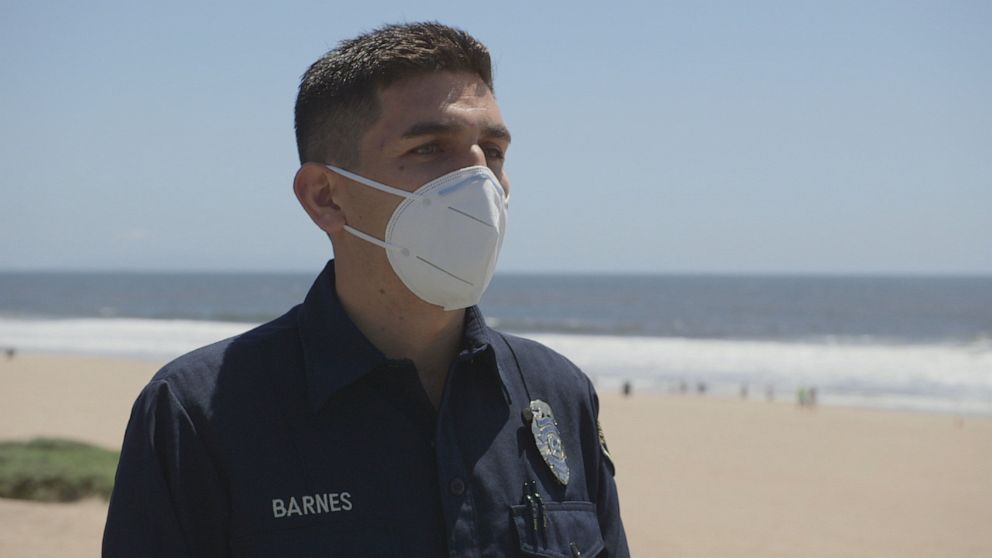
566,530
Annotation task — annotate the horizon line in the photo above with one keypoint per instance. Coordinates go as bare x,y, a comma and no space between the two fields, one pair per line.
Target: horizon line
536,273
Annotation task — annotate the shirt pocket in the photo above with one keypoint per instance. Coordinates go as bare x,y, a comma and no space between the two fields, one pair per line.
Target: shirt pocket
321,540
563,530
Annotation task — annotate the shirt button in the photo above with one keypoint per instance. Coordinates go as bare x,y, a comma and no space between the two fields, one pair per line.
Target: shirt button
457,486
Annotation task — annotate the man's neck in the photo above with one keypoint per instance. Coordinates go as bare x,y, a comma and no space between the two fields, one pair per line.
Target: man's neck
402,326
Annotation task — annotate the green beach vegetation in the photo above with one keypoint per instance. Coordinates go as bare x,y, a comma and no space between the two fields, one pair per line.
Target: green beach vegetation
55,470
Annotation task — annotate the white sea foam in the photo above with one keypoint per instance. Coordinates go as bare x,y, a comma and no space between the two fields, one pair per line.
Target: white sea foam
928,376
941,377
160,340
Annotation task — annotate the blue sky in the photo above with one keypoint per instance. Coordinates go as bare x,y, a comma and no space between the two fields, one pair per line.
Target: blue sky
741,137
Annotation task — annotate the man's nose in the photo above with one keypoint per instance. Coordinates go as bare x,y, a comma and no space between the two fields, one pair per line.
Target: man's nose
474,156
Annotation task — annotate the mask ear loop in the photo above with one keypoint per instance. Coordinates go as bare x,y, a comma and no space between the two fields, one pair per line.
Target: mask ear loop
371,183
376,241
382,188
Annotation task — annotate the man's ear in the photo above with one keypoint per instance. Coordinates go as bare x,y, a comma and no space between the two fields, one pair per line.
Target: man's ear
317,189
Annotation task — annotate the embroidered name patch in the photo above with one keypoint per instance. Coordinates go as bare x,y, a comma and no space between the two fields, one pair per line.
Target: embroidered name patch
328,502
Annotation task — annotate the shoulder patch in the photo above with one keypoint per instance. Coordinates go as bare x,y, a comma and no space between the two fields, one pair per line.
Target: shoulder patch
602,441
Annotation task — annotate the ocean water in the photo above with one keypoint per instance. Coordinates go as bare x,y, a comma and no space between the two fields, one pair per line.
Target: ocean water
905,342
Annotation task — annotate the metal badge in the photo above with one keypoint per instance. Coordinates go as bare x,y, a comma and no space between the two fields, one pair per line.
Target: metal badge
548,439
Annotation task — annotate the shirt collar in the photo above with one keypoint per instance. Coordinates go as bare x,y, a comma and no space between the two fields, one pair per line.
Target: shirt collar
477,340
336,354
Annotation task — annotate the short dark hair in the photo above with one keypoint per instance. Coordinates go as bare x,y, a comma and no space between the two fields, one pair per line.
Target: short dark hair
339,93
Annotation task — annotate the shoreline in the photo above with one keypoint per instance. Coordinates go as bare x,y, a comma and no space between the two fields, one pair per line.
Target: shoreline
612,384
939,378
838,399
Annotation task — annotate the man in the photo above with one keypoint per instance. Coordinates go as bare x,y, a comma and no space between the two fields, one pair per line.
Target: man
381,417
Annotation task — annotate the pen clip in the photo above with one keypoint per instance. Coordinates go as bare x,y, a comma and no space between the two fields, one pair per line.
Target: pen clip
540,506
531,505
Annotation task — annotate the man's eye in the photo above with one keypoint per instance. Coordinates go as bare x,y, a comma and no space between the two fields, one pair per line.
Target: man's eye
426,149
495,153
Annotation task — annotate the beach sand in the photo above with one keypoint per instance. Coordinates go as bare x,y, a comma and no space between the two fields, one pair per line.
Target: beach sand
83,398
698,476
721,477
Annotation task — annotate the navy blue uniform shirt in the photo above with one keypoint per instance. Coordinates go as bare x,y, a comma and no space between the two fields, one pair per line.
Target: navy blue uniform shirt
299,438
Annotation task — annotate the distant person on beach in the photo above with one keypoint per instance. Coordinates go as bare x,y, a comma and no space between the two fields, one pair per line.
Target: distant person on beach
806,397
382,416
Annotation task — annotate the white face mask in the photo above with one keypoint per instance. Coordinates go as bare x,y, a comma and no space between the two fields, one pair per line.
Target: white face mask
443,239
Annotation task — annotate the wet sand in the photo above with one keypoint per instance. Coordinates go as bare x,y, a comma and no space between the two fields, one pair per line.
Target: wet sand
698,476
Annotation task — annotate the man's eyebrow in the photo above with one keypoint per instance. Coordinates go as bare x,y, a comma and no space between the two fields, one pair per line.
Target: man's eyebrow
427,128
497,131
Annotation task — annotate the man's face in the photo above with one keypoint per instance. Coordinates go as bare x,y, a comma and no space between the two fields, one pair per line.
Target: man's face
429,125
